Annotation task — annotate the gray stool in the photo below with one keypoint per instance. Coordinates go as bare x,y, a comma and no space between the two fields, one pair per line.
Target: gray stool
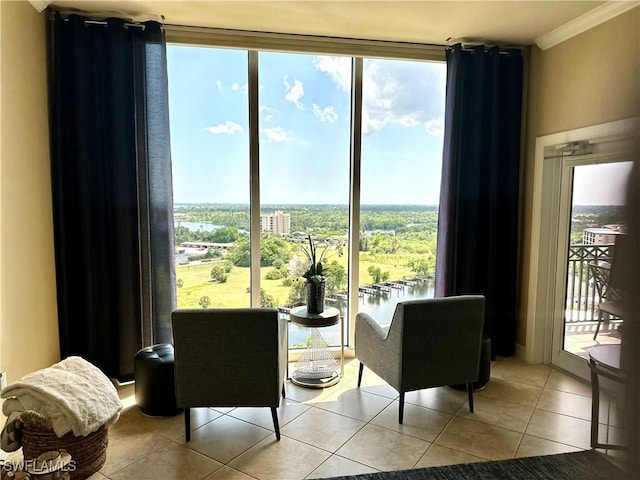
484,373
155,389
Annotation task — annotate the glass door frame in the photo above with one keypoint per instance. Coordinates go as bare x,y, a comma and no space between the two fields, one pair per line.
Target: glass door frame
551,208
559,356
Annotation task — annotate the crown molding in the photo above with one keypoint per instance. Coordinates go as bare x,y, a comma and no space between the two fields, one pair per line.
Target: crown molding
40,5
584,22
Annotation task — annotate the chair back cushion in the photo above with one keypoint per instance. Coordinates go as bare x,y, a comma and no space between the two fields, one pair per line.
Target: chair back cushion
441,340
229,356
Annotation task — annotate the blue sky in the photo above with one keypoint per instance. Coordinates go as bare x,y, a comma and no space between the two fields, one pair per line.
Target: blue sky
304,123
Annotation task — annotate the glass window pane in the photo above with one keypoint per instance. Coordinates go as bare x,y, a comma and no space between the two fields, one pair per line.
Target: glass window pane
402,135
210,157
304,177
597,222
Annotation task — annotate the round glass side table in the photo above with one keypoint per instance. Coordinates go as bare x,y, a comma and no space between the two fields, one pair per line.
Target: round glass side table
316,367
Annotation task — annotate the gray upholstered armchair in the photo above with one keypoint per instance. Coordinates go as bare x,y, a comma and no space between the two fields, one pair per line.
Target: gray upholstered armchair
229,357
430,343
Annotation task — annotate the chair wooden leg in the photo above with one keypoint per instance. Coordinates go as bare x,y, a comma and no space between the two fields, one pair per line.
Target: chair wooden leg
360,374
187,424
283,392
401,408
470,395
276,425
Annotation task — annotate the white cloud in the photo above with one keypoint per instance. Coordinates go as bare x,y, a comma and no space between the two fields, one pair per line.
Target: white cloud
240,87
394,92
403,93
435,126
278,135
337,68
293,93
326,114
219,84
264,108
227,127
269,118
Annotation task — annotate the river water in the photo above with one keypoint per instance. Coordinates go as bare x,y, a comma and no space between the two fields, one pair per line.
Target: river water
380,306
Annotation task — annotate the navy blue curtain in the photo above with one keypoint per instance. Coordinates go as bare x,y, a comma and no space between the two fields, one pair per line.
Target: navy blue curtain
478,222
112,194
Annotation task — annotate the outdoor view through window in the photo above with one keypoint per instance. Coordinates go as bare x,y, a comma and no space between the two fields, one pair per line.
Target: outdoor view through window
304,105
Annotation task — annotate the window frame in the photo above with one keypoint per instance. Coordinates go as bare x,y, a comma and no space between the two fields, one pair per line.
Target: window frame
358,50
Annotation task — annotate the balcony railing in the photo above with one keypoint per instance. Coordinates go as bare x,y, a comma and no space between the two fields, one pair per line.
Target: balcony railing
582,296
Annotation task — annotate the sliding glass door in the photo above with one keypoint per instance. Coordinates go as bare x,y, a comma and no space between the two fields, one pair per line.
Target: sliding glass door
594,194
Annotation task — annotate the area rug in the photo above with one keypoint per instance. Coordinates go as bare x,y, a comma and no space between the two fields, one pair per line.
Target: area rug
587,465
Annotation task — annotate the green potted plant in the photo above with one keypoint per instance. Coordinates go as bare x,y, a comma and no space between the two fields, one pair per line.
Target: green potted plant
314,278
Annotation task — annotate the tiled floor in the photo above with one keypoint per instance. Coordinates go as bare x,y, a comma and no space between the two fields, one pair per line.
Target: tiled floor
525,410
579,338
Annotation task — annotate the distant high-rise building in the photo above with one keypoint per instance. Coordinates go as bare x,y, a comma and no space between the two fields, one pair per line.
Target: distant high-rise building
600,235
277,222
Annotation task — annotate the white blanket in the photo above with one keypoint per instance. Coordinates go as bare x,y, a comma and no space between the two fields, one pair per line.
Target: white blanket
73,393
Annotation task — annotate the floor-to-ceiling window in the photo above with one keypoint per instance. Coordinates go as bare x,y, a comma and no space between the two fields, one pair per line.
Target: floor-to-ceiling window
299,167
402,134
210,153
304,132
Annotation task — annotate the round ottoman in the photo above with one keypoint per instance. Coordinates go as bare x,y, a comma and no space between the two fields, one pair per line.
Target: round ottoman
154,381
484,373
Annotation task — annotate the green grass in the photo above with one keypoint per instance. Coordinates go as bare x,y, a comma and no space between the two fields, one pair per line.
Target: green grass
234,293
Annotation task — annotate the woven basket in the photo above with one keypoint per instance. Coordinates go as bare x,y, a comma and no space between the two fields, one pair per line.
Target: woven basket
88,454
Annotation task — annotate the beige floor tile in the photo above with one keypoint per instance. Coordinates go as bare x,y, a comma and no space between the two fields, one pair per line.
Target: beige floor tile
384,449
442,399
336,466
128,443
228,473
223,410
316,422
126,393
170,427
514,392
173,462
261,416
323,429
438,455
568,383
371,382
515,370
498,413
287,459
560,428
533,446
310,395
612,435
226,437
479,439
419,422
571,404
616,414
97,476
356,404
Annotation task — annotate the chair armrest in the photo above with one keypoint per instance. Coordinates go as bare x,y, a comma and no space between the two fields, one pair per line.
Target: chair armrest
377,350
369,327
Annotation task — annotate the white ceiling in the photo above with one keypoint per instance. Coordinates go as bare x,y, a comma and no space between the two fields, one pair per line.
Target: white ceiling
499,22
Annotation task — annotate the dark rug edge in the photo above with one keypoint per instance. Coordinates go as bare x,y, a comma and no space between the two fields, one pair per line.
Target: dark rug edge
582,465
